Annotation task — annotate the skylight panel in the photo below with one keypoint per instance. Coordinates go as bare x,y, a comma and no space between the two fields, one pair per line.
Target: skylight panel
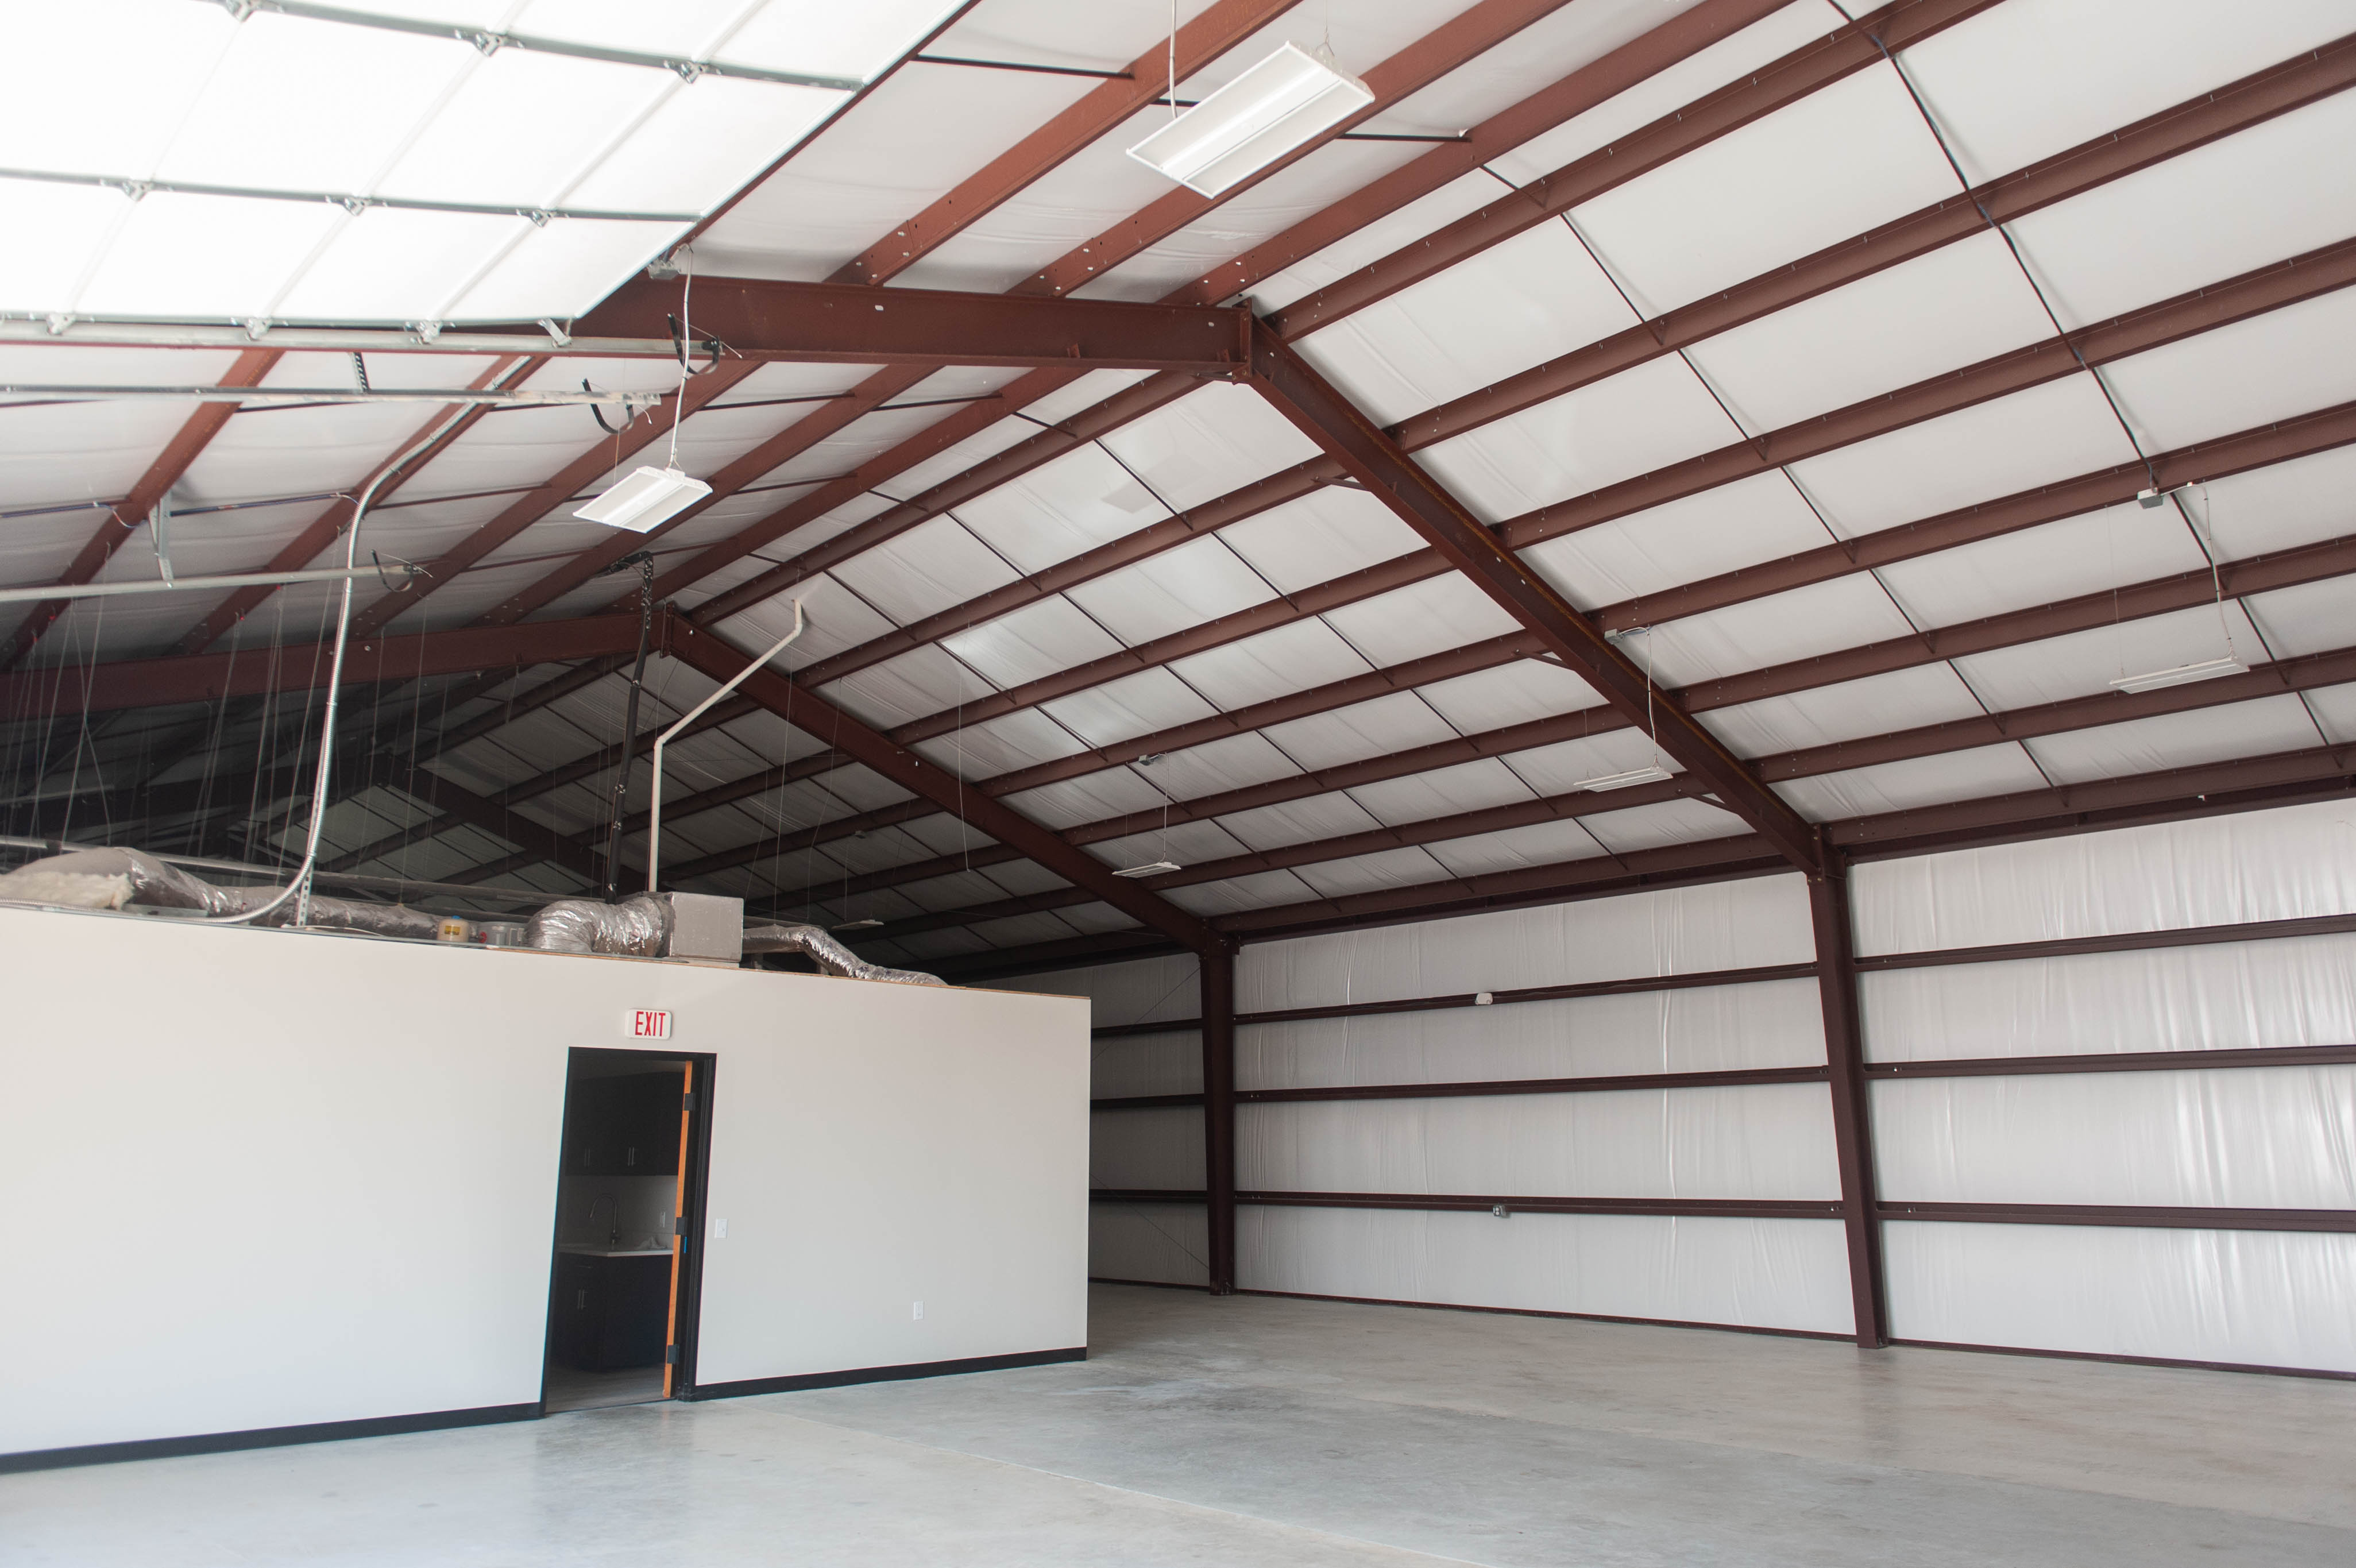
399,162
830,37
309,106
391,265
74,223
156,54
181,256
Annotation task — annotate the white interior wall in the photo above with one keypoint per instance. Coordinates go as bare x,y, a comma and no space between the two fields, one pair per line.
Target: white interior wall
296,1178
2266,1137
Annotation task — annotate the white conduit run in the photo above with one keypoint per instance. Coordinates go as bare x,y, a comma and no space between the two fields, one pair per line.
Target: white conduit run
653,805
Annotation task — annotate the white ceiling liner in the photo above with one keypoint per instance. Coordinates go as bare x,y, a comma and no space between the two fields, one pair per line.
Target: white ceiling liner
2272,367
2012,85
1722,529
1201,580
1630,424
2178,740
1919,781
1396,723
1728,59
1273,664
1878,705
1799,624
1520,693
2315,617
1834,163
2057,431
2126,544
1953,306
2259,196
1325,533
1300,821
1538,295
2085,663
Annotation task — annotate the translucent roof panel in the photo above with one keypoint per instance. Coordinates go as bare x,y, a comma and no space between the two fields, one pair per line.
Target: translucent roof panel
266,148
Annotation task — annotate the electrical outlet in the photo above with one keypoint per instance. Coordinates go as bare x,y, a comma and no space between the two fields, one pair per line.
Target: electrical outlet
920,1315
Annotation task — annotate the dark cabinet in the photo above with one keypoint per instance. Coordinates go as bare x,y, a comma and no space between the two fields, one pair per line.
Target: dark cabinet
609,1313
624,1126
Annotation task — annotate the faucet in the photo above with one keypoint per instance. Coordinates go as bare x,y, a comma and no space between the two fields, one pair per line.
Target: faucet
613,1230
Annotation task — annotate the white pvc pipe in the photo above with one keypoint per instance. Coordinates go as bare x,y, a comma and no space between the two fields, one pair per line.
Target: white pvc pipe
654,806
161,585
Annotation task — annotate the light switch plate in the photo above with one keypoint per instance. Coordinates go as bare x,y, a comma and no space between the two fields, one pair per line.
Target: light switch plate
920,1312
720,1230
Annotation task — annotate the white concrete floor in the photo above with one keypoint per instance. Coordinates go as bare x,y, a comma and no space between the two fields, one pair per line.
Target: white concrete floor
1252,1430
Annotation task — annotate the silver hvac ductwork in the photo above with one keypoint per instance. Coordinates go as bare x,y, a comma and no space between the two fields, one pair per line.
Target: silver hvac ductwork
116,879
697,926
814,944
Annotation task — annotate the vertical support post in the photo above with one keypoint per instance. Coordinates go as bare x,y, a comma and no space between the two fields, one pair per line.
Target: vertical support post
1828,905
1218,972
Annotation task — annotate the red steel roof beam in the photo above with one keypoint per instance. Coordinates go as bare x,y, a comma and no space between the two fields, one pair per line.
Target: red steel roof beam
126,516
2252,101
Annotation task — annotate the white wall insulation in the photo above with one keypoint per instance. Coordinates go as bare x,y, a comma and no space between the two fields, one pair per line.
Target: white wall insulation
1760,1273
2289,991
313,1178
2245,1298
2212,871
2262,1137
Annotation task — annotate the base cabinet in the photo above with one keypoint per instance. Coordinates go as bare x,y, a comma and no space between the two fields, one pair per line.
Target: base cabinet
608,1314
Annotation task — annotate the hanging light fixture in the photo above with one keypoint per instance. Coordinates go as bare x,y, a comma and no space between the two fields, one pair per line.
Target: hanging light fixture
1644,774
1266,113
2180,675
643,498
1151,868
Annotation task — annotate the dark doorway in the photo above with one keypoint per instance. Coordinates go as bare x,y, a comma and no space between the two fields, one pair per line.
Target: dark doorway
621,1308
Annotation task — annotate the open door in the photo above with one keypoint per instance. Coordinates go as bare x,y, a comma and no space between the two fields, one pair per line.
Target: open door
672,1349
623,1277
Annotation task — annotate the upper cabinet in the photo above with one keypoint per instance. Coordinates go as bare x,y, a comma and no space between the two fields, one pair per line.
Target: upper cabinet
624,1126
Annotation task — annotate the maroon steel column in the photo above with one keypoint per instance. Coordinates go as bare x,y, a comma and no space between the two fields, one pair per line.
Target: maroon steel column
1218,988
1852,1120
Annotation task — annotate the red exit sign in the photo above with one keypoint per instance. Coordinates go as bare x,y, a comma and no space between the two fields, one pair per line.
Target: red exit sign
647,1024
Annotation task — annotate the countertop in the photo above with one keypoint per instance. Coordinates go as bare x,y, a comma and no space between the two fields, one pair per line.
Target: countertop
590,1249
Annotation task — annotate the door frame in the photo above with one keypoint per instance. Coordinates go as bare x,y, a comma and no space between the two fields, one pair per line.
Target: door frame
695,1169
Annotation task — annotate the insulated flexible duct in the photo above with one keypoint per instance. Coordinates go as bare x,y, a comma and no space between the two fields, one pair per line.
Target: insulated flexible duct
114,878
829,955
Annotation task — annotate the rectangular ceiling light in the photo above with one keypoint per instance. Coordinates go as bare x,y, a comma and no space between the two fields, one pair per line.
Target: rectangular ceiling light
1154,868
1644,774
644,497
2182,674
1253,121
